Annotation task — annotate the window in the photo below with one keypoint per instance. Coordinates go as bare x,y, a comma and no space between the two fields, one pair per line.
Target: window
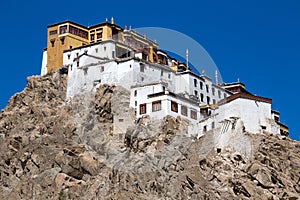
135,103
225,95
201,85
96,50
208,99
196,93
63,29
161,72
77,63
77,54
135,93
214,101
195,82
104,48
53,32
169,76
184,110
143,109
142,68
219,94
52,42
102,69
213,91
71,47
156,106
213,125
202,97
121,120
174,106
78,32
204,128
62,39
99,35
69,56
193,114
207,88
92,37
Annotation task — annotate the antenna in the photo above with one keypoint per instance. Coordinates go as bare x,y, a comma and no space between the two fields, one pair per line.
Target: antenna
187,58
217,77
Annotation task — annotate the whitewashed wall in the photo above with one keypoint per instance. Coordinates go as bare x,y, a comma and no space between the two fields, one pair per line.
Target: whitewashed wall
166,108
253,113
44,64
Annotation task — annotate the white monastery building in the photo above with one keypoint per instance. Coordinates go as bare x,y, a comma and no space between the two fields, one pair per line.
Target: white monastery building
159,85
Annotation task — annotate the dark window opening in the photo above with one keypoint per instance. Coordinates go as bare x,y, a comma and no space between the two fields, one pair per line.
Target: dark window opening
92,37
63,29
52,42
135,93
219,94
102,69
99,35
201,85
193,114
207,88
156,106
174,106
196,93
184,110
195,82
208,100
142,109
204,128
78,32
53,32
202,97
213,91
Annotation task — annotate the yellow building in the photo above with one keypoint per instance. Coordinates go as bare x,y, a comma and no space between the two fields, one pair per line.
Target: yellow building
67,35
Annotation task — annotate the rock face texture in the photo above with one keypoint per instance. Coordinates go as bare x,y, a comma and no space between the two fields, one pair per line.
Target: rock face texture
53,148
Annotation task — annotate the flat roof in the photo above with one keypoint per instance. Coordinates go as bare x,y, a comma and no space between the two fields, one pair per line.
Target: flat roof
104,24
173,95
85,27
245,96
67,21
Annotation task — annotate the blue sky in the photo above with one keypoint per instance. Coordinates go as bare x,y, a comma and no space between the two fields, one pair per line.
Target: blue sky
256,41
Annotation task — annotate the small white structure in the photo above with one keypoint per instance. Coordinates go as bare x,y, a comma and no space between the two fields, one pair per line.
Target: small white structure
154,100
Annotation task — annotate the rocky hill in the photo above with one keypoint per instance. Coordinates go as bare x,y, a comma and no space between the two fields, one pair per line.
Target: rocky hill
57,149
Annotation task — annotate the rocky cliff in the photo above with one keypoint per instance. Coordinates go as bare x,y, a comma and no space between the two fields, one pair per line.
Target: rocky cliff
52,148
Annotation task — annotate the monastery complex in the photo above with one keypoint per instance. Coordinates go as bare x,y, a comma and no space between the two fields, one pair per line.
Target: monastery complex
159,84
